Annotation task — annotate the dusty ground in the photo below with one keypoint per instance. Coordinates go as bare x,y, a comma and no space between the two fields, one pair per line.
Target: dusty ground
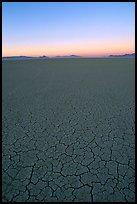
68,130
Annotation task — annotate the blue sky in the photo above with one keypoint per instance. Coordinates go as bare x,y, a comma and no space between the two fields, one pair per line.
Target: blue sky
56,28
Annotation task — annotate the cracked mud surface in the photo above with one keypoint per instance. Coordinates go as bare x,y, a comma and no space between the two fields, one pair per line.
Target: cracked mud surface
68,130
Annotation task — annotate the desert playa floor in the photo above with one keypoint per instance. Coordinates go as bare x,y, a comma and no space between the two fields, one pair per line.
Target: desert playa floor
68,130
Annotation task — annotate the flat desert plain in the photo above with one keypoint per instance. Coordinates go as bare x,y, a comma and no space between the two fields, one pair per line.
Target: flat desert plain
68,130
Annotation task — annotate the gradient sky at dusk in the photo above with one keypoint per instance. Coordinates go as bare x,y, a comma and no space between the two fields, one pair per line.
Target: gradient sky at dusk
69,28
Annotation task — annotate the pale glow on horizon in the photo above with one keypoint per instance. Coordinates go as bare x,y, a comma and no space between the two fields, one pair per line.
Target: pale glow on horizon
83,49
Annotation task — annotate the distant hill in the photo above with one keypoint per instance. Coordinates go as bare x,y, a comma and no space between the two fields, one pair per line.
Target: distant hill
68,56
17,57
125,55
44,56
74,56
22,57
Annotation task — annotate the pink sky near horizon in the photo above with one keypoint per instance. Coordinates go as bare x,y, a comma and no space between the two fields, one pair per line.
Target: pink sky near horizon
82,49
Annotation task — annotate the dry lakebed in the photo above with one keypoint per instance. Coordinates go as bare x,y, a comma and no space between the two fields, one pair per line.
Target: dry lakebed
68,130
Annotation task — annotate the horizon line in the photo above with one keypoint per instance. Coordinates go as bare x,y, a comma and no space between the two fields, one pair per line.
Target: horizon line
106,55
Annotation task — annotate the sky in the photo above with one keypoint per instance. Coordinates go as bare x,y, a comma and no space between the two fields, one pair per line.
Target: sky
68,28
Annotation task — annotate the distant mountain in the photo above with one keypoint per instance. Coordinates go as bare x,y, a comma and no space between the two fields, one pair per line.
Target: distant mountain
68,56
23,57
44,56
74,56
17,57
125,55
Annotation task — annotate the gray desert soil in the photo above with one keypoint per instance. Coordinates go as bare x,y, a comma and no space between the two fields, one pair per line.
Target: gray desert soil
68,130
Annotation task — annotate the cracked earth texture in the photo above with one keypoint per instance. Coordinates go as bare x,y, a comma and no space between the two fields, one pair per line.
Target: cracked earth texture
68,130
